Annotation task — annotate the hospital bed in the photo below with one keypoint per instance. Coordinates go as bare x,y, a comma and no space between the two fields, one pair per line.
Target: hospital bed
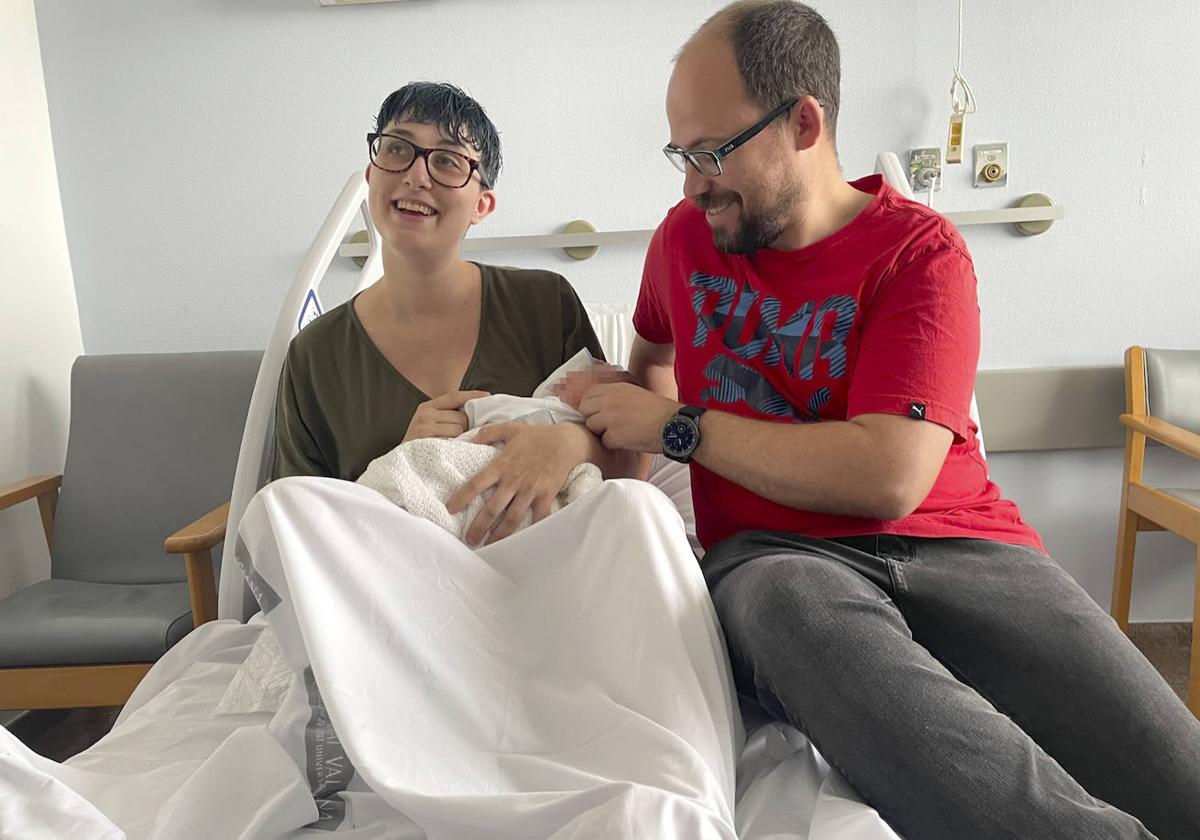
172,724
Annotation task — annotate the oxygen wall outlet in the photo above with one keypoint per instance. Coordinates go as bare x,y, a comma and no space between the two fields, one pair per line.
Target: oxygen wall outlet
991,165
925,169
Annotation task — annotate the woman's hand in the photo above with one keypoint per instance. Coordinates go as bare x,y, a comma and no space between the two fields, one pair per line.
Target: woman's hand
441,417
526,476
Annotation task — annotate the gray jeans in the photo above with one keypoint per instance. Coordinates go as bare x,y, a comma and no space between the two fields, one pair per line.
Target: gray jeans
966,688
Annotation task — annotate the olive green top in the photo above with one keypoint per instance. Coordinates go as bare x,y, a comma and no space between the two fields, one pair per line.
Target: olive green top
341,403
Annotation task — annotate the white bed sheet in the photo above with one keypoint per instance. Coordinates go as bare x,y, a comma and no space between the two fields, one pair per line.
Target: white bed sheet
170,728
170,740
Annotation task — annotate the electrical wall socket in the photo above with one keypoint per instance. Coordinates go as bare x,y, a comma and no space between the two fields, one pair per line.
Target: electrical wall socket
925,169
991,165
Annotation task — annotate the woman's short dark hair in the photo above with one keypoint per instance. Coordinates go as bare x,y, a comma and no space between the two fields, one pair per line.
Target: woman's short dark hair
457,116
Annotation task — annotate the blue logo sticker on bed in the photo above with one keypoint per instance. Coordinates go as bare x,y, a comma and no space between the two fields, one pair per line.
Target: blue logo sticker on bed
310,311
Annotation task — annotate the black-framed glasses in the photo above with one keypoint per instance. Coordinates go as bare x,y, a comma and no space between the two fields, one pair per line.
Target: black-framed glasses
393,153
708,161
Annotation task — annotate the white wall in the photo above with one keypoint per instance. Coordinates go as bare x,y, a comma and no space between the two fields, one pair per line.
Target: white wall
39,323
200,143
1073,498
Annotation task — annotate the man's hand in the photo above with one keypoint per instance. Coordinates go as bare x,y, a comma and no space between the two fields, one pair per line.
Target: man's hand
627,416
525,477
441,417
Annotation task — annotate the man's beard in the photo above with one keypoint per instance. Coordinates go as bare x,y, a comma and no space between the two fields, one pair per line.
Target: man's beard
756,229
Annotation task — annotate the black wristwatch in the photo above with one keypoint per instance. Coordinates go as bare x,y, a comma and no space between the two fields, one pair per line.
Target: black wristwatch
681,434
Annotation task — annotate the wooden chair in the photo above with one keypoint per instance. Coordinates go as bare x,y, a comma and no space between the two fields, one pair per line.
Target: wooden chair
1162,399
152,439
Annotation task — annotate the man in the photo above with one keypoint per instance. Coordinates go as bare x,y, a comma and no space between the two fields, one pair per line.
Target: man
875,589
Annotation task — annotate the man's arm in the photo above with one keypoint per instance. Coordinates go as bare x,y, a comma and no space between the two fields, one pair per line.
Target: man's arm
653,365
877,466
880,466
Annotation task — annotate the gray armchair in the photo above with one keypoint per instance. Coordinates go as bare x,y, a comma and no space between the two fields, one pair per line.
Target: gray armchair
153,438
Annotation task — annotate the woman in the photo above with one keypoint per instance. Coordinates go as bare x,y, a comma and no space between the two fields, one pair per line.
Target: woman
399,360
569,679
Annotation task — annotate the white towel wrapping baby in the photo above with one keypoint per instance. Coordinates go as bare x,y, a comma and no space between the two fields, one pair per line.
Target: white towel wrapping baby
567,682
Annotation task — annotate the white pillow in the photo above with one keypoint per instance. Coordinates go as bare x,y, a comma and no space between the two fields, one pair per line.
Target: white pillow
613,325
675,479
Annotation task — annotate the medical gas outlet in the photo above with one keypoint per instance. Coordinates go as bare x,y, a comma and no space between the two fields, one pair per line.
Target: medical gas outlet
991,165
925,169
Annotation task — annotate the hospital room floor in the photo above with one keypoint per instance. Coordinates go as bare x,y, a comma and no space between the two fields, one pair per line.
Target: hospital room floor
59,734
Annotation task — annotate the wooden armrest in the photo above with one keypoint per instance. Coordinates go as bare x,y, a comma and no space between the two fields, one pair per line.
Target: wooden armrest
1165,433
30,488
201,535
196,542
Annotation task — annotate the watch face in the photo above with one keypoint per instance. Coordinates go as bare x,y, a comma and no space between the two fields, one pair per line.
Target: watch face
679,436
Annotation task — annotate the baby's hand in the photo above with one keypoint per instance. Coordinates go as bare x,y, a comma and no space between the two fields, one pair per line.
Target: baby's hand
571,388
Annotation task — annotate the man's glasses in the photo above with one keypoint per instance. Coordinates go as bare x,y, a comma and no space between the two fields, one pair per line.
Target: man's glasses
396,154
708,162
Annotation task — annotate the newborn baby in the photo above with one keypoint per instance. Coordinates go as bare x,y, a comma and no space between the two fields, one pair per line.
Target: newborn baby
421,474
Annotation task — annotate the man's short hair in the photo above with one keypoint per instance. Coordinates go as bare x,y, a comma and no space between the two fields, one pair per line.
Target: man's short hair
457,116
784,50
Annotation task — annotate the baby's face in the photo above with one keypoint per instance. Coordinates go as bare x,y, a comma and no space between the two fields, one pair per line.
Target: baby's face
571,388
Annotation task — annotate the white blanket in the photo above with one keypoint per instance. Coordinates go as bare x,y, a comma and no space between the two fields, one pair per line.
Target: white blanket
420,475
567,682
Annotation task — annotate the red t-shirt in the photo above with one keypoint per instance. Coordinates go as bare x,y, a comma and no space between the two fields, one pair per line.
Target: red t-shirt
879,318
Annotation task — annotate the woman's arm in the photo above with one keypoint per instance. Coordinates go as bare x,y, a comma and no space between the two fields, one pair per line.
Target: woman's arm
529,472
296,450
612,463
